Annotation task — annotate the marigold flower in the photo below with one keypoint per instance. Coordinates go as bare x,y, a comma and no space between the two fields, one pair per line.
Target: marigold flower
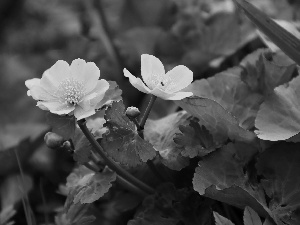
168,85
66,89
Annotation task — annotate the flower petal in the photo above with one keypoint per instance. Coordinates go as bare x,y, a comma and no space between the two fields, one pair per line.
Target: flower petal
80,113
32,82
88,73
53,76
136,82
170,96
56,107
180,95
152,70
178,78
39,93
100,90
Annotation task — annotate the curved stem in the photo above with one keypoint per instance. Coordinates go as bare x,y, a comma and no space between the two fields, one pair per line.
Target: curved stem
112,165
147,112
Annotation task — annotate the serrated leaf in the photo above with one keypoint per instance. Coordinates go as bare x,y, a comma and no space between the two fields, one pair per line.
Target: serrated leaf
221,124
160,134
223,168
251,217
287,42
278,117
264,70
196,140
86,186
122,142
279,169
220,220
228,89
62,125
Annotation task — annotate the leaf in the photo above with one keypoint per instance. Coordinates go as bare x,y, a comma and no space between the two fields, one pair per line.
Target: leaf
278,117
12,134
228,89
288,43
173,206
265,70
289,26
279,169
160,134
77,214
86,186
220,220
251,217
14,188
6,214
223,168
237,197
62,125
221,124
196,140
122,142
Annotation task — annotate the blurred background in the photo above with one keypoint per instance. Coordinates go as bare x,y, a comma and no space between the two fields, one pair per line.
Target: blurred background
207,36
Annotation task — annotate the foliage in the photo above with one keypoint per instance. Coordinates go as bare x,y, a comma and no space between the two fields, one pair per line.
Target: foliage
223,149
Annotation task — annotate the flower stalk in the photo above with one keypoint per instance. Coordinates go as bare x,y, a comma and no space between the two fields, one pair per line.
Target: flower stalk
112,165
146,113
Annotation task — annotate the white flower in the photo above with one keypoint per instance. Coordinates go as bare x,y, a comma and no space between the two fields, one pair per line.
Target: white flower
64,88
164,85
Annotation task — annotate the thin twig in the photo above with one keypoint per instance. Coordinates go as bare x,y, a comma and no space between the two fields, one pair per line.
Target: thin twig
112,165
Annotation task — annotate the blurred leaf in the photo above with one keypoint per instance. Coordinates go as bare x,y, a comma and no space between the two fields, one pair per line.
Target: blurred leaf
220,123
6,214
14,188
137,41
12,134
223,168
122,142
160,134
196,140
287,42
76,215
264,71
220,220
289,26
279,168
251,217
86,186
62,125
278,117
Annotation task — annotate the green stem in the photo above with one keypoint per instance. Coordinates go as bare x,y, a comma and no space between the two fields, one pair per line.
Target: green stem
112,165
147,112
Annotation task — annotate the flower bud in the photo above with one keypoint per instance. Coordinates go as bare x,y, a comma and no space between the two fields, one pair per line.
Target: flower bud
53,140
132,112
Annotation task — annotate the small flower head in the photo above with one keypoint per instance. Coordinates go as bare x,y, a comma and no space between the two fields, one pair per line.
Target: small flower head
132,112
65,89
168,85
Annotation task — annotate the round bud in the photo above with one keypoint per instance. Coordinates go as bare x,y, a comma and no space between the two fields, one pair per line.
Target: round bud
132,112
53,140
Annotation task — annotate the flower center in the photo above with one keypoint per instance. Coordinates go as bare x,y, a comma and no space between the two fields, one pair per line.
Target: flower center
71,91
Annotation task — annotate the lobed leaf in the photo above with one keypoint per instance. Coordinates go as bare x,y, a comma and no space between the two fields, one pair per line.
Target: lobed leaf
86,186
122,141
278,117
216,119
